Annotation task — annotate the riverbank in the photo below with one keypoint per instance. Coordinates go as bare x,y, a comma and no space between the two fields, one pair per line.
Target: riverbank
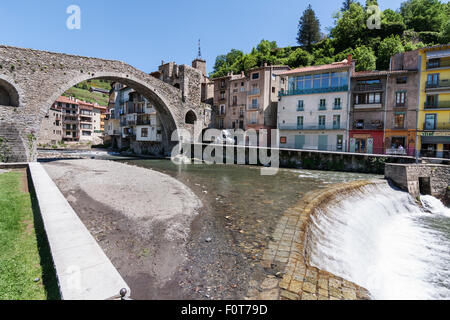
140,218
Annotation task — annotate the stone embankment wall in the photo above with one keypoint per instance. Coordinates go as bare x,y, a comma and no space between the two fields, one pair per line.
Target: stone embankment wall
433,179
306,159
289,250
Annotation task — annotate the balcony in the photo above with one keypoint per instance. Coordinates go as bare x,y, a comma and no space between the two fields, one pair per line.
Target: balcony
310,127
322,107
253,107
144,122
368,87
441,64
437,105
300,109
438,85
368,106
254,92
337,107
368,126
445,126
312,91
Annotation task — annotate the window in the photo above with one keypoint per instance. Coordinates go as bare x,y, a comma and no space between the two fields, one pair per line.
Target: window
222,95
337,103
323,104
399,120
222,84
322,120
273,89
222,109
144,132
255,76
336,122
402,80
299,122
253,118
434,63
234,100
374,97
430,121
433,80
255,103
400,98
432,101
359,124
300,106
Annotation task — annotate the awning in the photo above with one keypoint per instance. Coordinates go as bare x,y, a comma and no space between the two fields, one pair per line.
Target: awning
438,54
436,139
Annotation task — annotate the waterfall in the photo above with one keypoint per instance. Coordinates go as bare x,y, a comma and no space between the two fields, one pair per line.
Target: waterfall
380,239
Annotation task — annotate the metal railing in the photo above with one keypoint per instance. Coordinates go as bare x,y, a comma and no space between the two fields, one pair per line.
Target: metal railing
437,105
438,84
368,87
437,126
441,64
310,127
312,91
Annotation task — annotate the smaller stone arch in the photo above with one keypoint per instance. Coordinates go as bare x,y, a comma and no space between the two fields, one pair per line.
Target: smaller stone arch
8,94
191,117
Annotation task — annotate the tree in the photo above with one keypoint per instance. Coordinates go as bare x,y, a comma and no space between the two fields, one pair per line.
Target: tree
387,48
299,58
346,5
424,15
350,29
308,29
365,58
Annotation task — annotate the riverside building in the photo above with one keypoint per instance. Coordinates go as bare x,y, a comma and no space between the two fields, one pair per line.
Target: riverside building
313,111
434,102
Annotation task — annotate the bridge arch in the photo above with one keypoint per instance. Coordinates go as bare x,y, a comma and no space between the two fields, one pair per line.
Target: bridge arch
190,117
166,115
9,94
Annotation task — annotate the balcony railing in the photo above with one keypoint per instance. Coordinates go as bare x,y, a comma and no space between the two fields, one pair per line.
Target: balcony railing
438,105
300,109
441,64
337,107
312,91
322,107
368,87
253,107
254,92
437,126
143,122
442,84
368,126
309,127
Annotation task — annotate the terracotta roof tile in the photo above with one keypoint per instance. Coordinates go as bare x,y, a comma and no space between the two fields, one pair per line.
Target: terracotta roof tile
332,66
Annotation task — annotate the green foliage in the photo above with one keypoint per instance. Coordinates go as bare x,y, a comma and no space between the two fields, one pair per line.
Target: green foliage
19,256
299,58
424,15
388,47
365,59
418,23
308,29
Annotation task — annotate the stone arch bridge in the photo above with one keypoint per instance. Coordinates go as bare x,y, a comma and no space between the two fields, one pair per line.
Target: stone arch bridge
31,81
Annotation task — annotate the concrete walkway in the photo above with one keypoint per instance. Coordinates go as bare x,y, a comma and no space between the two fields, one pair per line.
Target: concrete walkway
84,271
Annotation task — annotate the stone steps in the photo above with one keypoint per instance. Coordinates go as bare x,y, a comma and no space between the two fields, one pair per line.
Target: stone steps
17,152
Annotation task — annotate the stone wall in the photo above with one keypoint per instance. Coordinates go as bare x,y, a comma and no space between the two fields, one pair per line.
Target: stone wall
407,177
318,160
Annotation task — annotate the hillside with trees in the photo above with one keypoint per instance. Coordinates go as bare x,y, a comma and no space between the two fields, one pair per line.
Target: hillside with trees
417,23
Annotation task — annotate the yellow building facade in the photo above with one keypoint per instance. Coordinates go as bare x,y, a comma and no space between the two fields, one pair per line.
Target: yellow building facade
434,102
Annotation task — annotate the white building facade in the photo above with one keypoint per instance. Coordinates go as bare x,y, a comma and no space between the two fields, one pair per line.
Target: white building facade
313,110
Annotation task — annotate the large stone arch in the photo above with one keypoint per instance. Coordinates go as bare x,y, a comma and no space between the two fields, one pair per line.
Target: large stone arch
160,103
44,76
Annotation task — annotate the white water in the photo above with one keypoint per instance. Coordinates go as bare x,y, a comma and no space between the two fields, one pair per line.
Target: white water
380,239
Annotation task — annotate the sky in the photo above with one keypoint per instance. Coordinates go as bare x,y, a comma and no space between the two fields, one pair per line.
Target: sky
145,32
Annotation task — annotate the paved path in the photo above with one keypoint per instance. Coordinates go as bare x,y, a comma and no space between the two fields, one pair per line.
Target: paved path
84,271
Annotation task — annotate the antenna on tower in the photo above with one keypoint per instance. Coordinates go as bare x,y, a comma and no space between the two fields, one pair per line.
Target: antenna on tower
199,50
